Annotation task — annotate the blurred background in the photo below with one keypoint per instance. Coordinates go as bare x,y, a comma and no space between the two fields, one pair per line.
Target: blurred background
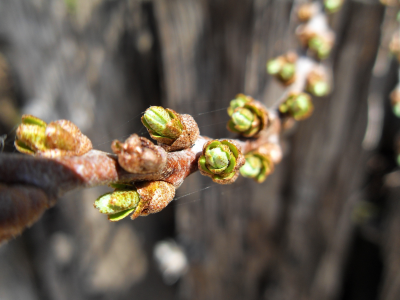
325,225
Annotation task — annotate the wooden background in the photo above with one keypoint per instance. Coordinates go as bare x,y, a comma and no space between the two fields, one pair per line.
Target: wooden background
325,225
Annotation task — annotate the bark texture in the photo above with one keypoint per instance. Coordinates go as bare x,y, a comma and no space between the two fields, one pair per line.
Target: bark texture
324,226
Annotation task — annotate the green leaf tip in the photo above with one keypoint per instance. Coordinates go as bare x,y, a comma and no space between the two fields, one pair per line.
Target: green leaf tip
117,204
164,125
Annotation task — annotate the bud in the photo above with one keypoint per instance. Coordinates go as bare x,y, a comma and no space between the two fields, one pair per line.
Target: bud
319,89
140,198
162,124
139,155
252,167
320,43
332,6
248,119
154,197
288,71
171,130
221,161
31,135
321,46
318,82
396,110
120,203
274,66
257,166
239,101
218,159
243,118
283,68
298,106
59,138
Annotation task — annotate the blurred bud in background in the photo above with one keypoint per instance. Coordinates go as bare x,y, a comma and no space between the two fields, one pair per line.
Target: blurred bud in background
171,260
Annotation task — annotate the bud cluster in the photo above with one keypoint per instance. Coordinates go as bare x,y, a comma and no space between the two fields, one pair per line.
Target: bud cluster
248,116
58,138
283,68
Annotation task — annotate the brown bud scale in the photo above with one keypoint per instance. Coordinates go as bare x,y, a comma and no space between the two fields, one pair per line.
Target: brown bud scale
139,155
154,196
188,137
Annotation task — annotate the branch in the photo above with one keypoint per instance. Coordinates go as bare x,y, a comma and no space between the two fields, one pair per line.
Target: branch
144,175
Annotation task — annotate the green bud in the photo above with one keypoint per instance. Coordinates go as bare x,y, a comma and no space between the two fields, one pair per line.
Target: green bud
31,137
288,70
119,202
320,88
34,136
274,66
324,51
297,106
398,159
158,119
258,166
217,158
163,125
320,46
315,43
301,105
239,101
333,5
396,109
252,167
242,118
248,120
221,161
